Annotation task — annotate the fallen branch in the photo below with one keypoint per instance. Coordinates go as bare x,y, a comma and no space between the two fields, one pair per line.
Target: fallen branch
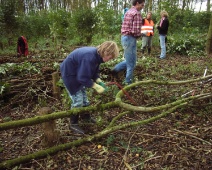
53,116
161,107
118,117
63,147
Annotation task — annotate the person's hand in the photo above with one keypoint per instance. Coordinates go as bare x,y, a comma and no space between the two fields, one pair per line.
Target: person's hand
101,83
98,88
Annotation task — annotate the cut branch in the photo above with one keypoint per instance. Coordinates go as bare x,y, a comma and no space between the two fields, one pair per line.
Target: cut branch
63,147
53,116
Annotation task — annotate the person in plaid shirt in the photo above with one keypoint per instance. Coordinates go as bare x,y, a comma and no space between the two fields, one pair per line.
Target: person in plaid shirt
130,30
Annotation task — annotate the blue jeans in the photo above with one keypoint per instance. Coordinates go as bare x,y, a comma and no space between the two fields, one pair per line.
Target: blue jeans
79,99
129,45
162,46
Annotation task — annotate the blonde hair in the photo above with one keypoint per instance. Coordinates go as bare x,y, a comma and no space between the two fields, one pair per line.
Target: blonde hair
150,12
164,13
108,48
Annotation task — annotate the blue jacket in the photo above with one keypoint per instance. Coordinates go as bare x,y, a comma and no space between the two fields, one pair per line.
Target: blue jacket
80,68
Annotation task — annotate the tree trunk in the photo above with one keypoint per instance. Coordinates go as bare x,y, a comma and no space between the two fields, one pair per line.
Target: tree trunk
209,39
200,6
208,5
150,5
184,4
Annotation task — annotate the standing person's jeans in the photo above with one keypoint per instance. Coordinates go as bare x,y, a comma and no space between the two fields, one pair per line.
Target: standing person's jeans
130,48
162,46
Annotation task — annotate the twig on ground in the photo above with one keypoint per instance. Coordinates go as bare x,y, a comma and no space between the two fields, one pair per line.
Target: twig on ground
156,157
125,155
147,161
80,165
41,166
186,133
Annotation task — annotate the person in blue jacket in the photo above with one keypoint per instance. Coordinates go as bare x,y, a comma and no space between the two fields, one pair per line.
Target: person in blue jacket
125,10
80,70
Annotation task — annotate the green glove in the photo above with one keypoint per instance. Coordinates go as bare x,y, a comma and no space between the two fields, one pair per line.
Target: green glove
101,83
98,88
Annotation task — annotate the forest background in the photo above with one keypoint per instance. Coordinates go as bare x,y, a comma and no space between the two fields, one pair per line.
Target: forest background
48,24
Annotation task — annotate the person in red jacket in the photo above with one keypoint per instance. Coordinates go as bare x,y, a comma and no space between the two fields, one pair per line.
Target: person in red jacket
147,31
80,70
22,47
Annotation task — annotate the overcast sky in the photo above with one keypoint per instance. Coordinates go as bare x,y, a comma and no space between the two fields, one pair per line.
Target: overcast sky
203,7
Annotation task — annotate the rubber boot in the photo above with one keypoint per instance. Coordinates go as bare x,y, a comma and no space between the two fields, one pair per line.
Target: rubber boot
74,125
149,51
114,74
87,117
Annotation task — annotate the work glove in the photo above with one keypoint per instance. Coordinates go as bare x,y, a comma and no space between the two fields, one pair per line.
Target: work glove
101,83
98,88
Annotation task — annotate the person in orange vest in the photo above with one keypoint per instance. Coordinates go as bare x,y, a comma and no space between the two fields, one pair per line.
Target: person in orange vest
147,31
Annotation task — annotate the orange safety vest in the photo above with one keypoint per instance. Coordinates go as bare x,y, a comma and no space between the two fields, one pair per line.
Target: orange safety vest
147,27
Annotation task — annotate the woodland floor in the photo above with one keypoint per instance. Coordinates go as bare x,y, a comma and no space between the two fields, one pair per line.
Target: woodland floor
180,141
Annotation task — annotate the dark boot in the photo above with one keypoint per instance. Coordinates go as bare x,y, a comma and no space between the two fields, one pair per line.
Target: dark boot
74,125
118,74
87,117
114,74
149,51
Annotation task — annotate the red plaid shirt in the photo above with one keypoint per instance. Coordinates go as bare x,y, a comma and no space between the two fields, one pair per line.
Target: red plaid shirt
132,23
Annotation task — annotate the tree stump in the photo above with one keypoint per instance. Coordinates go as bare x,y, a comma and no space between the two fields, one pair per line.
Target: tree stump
56,89
51,135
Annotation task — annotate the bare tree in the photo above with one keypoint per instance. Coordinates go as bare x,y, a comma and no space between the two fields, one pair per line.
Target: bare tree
21,7
209,39
208,5
184,4
150,5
